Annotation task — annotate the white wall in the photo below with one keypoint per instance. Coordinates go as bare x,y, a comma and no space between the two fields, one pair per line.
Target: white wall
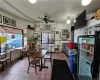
79,32
21,24
58,27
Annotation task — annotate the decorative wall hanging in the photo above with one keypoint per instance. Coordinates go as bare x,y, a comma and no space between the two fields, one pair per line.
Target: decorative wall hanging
86,31
35,34
6,20
96,28
65,34
90,30
47,27
0,18
13,22
57,32
97,15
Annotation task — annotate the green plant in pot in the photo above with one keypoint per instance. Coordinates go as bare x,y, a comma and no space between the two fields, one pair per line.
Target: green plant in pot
33,39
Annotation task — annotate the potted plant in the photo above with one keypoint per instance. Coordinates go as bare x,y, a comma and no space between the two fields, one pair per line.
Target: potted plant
33,39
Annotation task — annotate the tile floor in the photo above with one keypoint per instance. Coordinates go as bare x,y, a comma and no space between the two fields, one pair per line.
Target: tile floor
18,71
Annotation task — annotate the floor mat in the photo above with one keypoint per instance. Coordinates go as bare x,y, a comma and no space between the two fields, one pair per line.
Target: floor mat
60,71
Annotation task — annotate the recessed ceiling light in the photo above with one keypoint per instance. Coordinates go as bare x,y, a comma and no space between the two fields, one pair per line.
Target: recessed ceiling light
32,1
86,2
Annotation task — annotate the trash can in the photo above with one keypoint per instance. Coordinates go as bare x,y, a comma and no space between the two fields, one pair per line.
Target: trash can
73,62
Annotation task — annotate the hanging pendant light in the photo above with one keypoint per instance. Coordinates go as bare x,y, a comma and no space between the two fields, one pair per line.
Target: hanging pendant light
86,2
68,21
32,1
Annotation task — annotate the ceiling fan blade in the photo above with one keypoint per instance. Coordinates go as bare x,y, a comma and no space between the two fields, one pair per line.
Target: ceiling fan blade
50,20
40,21
39,17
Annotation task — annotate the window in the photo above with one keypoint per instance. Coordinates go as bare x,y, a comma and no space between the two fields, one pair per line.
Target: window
10,38
48,38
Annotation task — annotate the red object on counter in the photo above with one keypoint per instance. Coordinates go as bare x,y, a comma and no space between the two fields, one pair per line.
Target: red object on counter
72,45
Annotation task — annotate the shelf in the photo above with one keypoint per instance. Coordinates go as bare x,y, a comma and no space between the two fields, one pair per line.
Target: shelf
84,77
88,43
87,51
85,70
86,59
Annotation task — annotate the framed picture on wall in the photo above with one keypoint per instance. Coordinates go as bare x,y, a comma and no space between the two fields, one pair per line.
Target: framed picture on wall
0,18
35,34
90,30
6,20
86,31
57,32
13,22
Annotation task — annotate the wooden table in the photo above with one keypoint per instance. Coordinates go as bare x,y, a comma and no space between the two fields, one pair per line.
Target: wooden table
40,54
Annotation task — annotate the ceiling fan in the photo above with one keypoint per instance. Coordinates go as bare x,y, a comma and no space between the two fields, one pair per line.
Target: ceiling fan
46,19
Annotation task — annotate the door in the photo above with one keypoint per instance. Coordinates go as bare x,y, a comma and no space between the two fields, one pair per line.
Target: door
85,57
96,61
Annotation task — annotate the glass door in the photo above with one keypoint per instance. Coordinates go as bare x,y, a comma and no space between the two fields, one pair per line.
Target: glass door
86,53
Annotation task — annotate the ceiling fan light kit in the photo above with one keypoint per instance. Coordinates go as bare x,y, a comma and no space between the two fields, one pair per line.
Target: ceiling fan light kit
86,2
68,21
32,1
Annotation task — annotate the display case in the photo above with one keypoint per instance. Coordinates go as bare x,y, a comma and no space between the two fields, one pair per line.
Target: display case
85,57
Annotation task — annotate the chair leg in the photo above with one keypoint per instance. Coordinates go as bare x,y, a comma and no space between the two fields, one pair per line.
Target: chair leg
28,69
35,70
2,65
51,62
6,61
44,61
26,53
10,61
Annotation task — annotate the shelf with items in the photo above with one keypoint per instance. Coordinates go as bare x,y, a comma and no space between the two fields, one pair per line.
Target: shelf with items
87,51
88,48
86,59
86,65
89,40
84,70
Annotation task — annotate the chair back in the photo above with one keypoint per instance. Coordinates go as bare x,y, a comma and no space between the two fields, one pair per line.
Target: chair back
8,53
30,57
31,46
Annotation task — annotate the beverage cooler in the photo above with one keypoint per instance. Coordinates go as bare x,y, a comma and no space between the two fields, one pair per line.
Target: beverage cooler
88,57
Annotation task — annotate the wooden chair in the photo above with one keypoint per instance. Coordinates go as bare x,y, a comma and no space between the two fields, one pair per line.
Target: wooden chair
33,62
56,49
25,50
6,58
48,56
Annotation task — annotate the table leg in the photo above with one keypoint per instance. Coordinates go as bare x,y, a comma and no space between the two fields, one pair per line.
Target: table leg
41,66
